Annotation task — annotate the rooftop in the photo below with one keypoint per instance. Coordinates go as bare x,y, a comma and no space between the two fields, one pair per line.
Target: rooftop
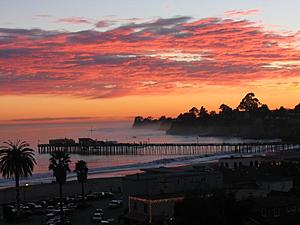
157,197
277,201
154,173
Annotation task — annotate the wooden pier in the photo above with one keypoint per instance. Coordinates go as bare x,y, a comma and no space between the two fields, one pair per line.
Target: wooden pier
166,148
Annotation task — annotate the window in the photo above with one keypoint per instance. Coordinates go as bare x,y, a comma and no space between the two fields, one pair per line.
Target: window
145,208
240,164
135,205
263,212
235,165
251,164
276,212
226,165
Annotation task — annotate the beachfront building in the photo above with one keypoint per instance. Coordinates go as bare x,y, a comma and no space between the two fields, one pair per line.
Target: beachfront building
163,180
275,183
237,162
1,214
154,209
248,192
277,210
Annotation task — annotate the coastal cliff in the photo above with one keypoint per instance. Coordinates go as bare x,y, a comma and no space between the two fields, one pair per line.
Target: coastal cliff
250,119
254,129
163,123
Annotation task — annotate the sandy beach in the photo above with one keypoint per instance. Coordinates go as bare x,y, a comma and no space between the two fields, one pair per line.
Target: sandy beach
46,191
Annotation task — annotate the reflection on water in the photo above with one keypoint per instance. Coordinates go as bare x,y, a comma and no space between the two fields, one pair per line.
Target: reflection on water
117,131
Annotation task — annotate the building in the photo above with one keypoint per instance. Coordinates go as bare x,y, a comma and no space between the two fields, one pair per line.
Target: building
274,207
64,141
1,214
86,141
157,209
163,180
275,183
246,193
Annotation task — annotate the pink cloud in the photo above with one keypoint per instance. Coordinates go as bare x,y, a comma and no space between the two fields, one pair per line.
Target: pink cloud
242,12
104,23
75,20
145,58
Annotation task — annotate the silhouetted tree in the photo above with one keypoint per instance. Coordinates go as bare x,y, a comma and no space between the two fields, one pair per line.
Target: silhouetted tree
297,108
138,119
59,164
194,111
162,118
281,112
249,103
212,114
16,160
203,113
186,118
226,111
82,172
264,110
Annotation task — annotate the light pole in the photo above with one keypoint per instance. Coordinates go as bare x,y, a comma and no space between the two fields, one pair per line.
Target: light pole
25,187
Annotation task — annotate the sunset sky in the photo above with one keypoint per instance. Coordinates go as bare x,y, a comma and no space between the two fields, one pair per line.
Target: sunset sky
115,59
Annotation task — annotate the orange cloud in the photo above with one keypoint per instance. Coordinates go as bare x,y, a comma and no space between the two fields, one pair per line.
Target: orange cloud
156,57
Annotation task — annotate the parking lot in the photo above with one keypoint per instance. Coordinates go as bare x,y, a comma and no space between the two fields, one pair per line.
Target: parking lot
110,213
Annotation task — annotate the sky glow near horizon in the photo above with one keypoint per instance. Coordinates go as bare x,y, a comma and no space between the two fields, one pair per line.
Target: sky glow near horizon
117,59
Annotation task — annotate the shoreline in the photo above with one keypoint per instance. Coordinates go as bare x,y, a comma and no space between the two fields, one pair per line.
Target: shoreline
40,191
117,171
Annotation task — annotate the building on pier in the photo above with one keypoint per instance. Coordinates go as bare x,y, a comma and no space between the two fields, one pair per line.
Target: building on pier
62,141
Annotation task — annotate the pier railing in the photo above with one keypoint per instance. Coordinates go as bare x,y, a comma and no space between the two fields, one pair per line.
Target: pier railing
167,148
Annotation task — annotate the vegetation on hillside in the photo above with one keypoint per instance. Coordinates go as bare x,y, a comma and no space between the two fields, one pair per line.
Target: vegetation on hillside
250,119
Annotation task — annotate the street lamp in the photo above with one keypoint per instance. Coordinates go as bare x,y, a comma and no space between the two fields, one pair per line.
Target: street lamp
25,187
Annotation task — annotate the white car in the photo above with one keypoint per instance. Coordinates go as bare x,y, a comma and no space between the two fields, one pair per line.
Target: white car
115,204
99,211
97,217
50,209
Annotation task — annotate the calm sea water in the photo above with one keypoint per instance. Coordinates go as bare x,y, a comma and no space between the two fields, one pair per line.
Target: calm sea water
117,131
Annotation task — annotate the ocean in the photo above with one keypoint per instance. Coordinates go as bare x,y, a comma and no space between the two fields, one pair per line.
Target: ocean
100,165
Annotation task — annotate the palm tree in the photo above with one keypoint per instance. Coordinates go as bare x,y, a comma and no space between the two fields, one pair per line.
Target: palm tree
59,164
82,172
16,160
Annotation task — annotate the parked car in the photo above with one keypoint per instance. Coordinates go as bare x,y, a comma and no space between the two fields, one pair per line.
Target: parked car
91,197
97,217
72,205
115,204
50,208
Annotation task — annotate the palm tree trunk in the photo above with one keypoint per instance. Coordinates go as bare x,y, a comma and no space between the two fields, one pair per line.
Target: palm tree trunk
18,191
61,202
82,191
